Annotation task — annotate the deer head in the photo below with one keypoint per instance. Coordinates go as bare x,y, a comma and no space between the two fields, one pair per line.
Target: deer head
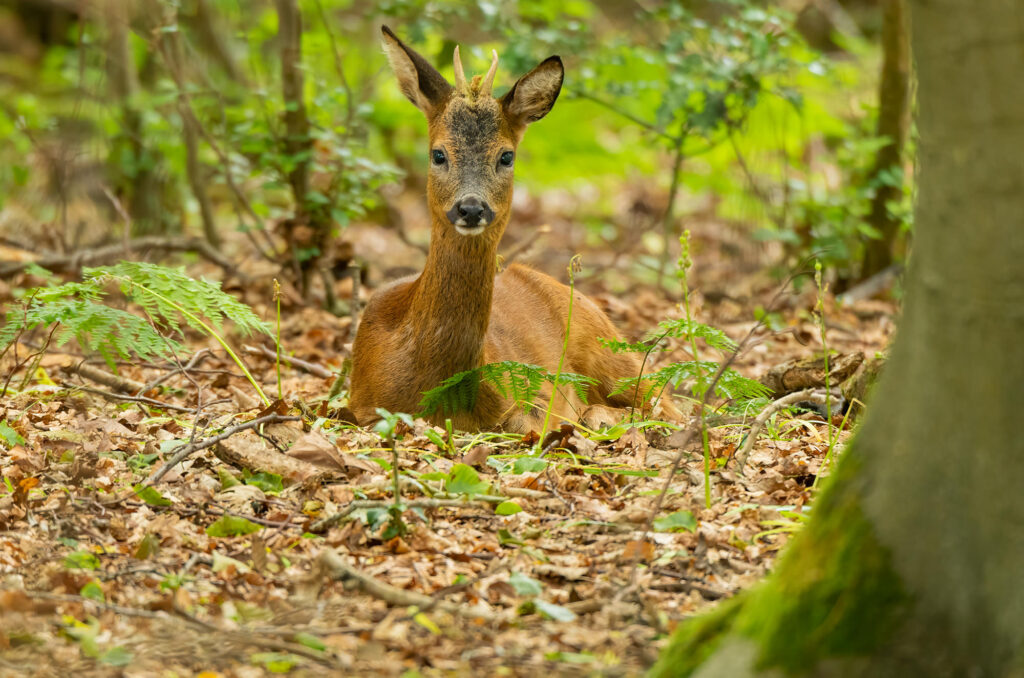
473,136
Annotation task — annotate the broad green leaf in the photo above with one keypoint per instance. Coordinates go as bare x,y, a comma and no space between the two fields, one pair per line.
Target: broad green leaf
151,496
680,521
232,526
507,508
93,591
528,465
465,480
555,612
81,560
525,585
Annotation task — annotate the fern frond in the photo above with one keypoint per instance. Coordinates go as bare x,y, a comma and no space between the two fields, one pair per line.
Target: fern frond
521,382
170,295
455,394
730,386
110,332
685,329
649,344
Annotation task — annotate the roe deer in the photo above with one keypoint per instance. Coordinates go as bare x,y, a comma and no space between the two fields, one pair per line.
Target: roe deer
458,314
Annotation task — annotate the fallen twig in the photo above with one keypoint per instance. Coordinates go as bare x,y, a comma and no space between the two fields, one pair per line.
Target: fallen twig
200,355
188,449
108,253
808,394
312,368
338,568
114,381
126,398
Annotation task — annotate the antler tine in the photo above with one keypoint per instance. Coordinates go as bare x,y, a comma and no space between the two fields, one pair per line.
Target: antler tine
488,83
460,75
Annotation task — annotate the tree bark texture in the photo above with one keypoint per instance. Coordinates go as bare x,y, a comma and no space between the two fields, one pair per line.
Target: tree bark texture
913,562
893,123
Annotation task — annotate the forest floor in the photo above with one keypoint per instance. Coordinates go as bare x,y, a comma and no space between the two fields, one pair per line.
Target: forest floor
96,581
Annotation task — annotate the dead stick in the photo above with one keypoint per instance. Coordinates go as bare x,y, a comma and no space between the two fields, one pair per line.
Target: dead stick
188,449
118,383
338,568
126,398
808,394
312,368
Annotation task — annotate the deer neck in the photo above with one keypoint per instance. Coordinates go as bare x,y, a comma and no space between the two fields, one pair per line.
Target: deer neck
451,305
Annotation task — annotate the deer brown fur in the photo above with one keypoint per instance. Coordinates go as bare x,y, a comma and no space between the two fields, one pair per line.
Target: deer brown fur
458,314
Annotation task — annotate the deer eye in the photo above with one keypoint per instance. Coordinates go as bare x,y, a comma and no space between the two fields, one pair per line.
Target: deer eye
506,158
438,156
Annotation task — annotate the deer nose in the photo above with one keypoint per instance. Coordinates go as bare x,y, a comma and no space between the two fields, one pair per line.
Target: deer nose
471,212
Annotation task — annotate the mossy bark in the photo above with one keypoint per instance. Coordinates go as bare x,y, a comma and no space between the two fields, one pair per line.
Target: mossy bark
913,562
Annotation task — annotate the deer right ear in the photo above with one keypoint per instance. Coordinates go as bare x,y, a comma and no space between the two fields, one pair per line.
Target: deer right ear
420,82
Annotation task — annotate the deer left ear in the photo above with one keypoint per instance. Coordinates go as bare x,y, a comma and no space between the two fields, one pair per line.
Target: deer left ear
535,93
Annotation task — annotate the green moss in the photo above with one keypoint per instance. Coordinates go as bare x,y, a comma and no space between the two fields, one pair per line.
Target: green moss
696,640
833,594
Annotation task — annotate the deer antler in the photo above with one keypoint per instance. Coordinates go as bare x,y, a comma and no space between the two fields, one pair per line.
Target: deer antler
488,82
460,75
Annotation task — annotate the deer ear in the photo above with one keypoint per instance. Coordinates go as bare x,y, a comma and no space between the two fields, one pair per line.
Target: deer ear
420,82
535,93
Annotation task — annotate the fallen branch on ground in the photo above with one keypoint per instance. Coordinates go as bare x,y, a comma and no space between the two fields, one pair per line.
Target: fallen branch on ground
312,368
118,383
59,263
806,395
190,448
339,569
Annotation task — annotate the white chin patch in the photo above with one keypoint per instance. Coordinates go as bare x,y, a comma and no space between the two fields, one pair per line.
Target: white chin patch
462,229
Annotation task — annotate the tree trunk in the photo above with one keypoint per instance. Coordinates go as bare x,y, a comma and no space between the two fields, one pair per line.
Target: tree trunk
893,123
913,560
131,162
311,229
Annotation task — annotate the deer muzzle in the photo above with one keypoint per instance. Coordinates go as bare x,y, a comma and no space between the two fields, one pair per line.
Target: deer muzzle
470,215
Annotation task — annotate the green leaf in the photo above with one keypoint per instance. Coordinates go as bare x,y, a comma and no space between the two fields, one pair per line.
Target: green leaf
310,641
268,482
555,612
276,662
525,585
529,465
9,435
465,480
93,591
151,496
81,560
506,538
507,508
680,521
427,623
117,656
232,526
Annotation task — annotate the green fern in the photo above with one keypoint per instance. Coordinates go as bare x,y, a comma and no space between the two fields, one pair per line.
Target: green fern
730,386
683,328
520,382
166,295
110,332
170,295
